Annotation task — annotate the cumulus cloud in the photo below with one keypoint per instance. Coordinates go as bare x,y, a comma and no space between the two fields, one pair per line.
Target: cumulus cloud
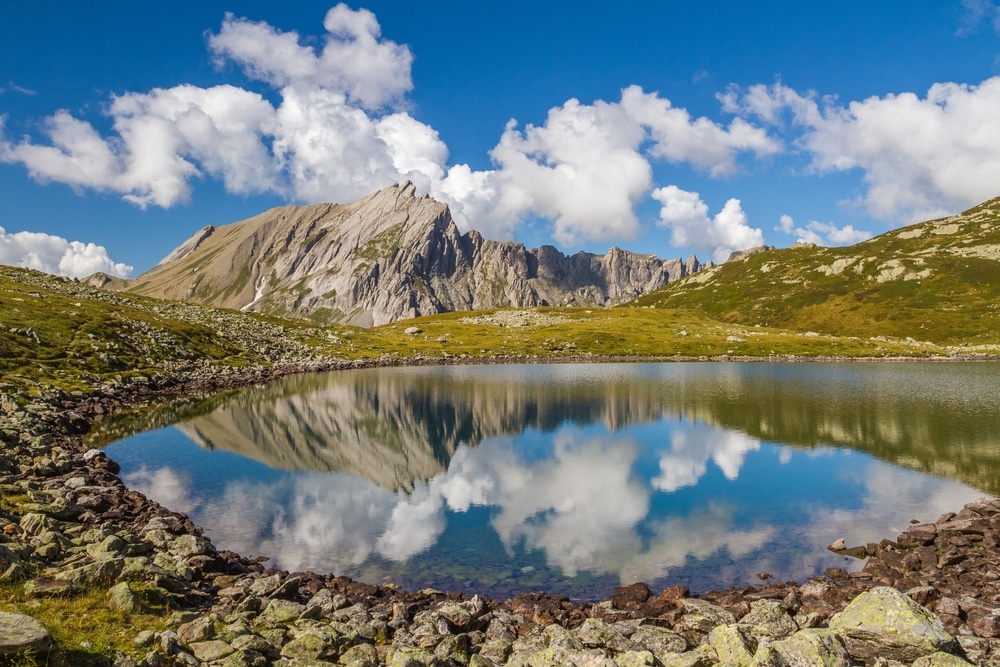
822,233
56,255
589,165
355,60
704,144
687,217
339,129
921,157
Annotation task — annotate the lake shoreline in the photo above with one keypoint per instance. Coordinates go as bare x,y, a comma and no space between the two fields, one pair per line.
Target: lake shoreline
44,449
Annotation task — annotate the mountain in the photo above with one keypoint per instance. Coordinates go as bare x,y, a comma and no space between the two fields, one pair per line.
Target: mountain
936,281
391,255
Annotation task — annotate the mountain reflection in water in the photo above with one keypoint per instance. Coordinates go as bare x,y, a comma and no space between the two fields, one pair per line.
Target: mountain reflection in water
576,478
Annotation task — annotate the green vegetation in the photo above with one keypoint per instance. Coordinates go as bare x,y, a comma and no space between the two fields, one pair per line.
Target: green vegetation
382,246
937,281
84,627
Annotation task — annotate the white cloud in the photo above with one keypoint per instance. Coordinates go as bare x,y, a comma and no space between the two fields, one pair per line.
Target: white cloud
921,157
823,233
582,169
354,60
687,216
589,165
978,12
701,142
337,130
56,255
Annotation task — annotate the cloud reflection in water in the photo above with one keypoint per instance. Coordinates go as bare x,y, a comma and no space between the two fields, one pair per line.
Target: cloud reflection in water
660,499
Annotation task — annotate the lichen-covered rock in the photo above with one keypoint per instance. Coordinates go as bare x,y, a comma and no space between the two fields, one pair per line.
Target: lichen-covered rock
635,659
766,656
597,633
312,644
409,656
659,640
732,645
815,647
360,655
702,616
884,622
703,656
281,611
768,618
496,650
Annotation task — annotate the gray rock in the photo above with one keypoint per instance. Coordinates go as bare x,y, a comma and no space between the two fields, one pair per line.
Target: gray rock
121,598
197,630
22,635
186,546
211,650
884,622
264,586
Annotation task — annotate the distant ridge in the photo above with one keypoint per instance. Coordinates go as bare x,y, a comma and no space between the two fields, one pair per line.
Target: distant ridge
391,255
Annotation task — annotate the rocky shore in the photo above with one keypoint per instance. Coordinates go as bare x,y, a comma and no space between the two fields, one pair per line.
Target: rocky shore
68,524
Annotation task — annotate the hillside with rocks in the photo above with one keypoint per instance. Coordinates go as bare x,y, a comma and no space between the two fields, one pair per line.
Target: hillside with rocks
936,282
391,255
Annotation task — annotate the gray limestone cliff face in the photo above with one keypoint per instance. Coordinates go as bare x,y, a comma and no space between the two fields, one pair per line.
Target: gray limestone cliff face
392,255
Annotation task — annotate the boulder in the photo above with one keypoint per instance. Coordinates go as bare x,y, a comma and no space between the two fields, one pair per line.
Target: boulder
814,647
885,623
732,645
22,635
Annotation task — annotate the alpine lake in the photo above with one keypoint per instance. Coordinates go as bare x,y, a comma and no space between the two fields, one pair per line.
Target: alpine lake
572,478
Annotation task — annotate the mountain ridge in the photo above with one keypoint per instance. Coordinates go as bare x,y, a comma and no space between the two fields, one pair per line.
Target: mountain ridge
391,255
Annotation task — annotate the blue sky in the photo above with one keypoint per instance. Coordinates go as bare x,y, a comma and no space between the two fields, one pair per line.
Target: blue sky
659,127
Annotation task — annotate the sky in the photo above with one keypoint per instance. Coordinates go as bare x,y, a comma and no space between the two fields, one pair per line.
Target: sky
658,127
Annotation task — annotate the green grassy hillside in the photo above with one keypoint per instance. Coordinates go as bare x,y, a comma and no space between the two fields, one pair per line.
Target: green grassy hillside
60,333
937,282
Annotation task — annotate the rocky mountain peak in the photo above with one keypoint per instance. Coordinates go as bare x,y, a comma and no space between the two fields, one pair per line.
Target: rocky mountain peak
390,255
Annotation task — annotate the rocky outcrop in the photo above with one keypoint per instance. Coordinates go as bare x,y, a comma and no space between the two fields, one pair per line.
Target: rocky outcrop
392,255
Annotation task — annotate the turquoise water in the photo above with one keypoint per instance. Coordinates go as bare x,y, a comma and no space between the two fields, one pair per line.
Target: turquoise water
577,478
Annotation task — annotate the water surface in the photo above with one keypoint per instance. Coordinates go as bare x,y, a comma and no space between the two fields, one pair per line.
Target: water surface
577,478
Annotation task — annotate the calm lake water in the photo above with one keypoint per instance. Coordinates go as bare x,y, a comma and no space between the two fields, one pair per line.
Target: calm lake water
576,478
